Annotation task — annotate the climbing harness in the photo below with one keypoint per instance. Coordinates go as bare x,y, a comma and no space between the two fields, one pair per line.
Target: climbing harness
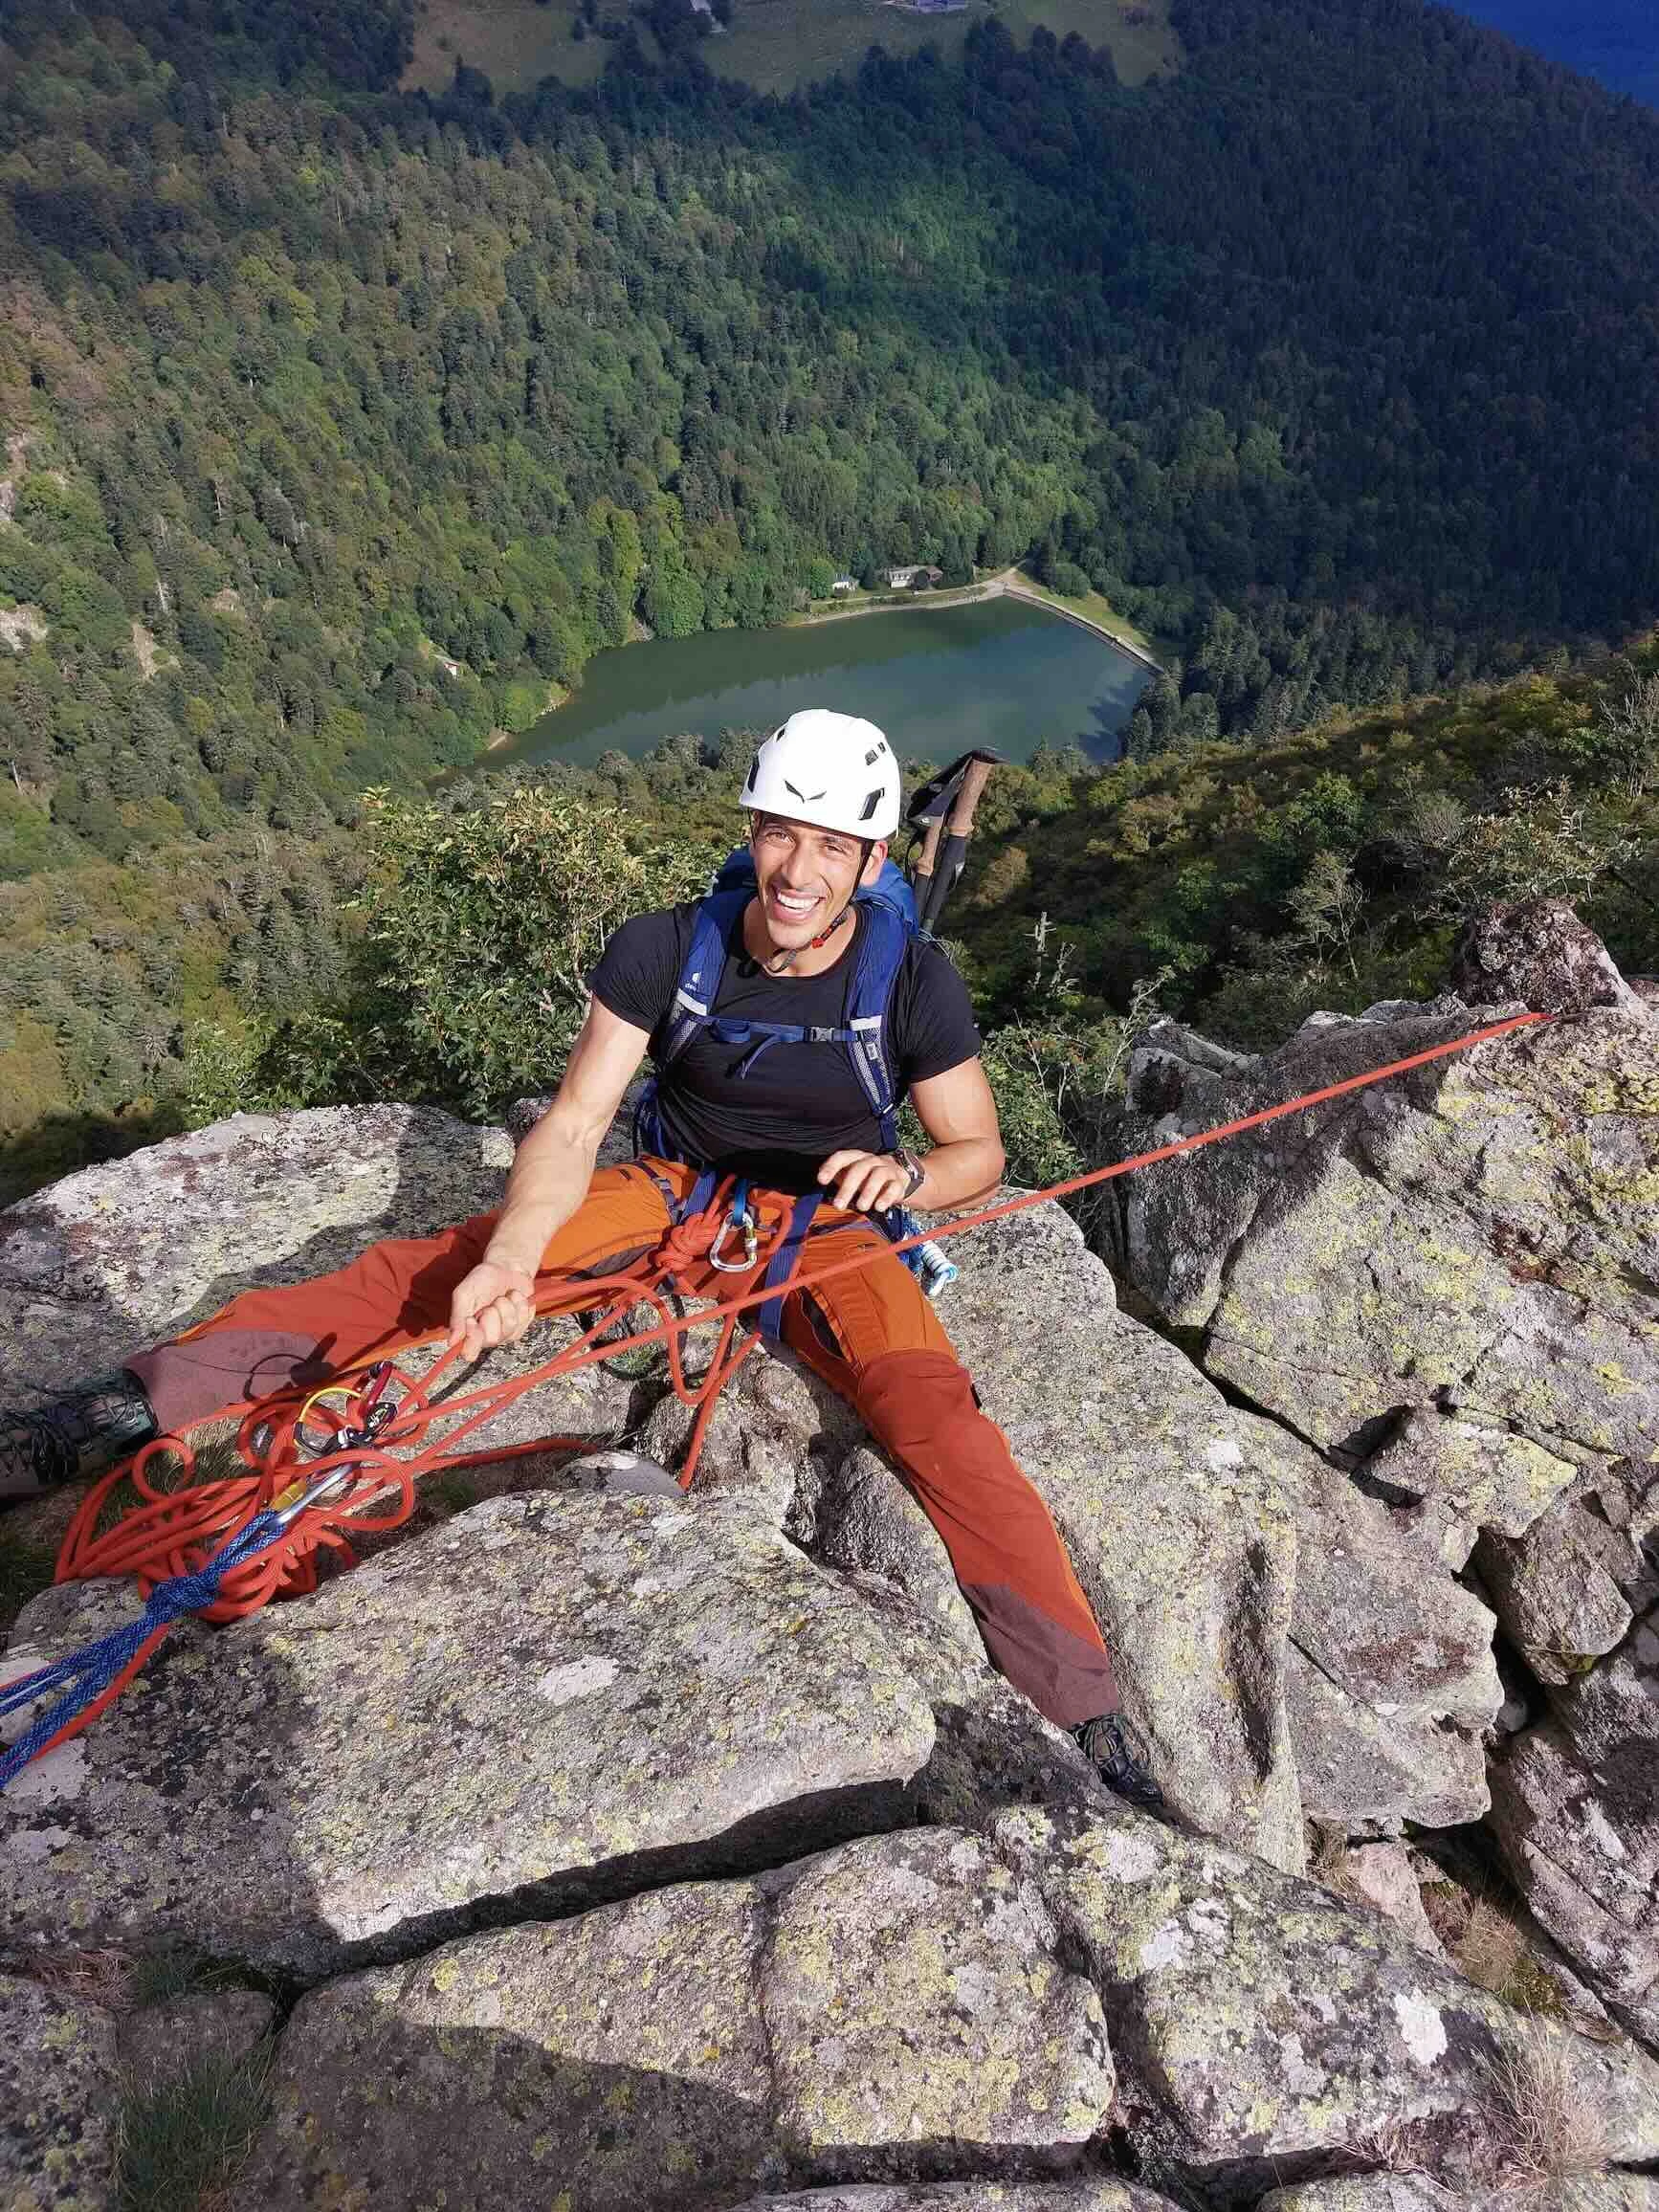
222,1549
741,1222
888,906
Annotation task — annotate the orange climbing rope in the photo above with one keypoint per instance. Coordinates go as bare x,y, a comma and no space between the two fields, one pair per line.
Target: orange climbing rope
375,1448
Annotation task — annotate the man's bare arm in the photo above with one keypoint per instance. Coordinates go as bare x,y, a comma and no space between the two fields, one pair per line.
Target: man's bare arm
495,1304
960,1115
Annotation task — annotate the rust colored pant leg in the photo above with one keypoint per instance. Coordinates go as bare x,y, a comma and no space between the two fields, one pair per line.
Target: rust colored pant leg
395,1294
892,1359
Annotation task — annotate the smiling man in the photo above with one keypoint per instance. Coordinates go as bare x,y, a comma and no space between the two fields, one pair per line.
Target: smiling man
747,1003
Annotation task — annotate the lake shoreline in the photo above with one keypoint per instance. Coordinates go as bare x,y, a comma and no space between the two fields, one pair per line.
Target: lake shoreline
1009,585
981,674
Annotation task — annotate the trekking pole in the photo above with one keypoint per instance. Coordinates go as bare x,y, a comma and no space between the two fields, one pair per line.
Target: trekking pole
945,808
922,874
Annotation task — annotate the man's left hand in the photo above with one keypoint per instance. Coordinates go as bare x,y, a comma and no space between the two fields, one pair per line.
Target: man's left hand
864,1182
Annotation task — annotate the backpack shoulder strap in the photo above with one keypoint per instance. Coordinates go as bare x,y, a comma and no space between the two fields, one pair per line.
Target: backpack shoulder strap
699,978
881,952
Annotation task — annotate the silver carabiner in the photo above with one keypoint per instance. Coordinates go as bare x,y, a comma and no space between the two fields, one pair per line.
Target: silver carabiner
744,1223
324,1487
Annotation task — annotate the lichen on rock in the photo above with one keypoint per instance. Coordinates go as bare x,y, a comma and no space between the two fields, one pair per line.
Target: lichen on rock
546,1690
685,1852
58,2093
890,2007
1254,2017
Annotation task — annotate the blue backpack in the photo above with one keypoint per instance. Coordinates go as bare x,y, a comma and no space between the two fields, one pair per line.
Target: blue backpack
890,923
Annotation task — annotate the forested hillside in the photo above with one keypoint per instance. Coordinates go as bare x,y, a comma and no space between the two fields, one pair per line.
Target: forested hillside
1241,885
339,424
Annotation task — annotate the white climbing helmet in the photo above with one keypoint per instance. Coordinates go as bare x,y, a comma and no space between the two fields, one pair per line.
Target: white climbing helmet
832,770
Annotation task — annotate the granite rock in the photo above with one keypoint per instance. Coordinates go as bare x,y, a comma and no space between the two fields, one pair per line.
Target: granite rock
1568,1587
1253,2017
912,1995
58,2101
1391,1678
891,2008
1172,1513
1538,952
1478,1236
1092,2196
1576,1810
614,2062
1368,2193
1466,1477
1382,1874
1424,2193
564,1695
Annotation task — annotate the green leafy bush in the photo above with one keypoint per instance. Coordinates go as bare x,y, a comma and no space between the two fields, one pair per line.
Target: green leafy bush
481,928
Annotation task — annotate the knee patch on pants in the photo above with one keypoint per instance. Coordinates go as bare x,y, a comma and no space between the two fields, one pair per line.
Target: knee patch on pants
913,1398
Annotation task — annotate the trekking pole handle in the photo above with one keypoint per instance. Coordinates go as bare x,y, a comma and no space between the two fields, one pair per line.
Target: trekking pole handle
975,776
930,845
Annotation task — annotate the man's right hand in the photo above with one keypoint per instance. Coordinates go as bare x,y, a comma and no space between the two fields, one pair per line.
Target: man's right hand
492,1305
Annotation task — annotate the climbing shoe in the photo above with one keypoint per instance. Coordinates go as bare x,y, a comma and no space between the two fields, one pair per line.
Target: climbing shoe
80,1434
1117,1757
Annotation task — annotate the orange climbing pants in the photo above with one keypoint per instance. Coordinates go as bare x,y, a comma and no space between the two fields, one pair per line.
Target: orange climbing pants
871,1335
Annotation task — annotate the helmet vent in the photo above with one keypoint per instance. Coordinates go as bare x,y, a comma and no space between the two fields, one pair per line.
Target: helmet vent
871,804
872,756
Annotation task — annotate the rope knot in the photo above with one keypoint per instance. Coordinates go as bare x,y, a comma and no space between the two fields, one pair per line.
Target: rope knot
182,1594
688,1241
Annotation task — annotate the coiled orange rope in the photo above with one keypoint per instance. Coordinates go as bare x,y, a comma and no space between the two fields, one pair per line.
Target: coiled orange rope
183,1523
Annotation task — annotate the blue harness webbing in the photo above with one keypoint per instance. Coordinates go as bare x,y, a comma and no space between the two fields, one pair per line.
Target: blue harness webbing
888,912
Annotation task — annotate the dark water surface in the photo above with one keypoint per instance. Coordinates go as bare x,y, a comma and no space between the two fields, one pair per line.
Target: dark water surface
995,672
1617,40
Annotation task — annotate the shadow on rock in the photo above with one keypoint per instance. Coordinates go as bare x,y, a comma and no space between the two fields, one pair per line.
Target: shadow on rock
894,2009
376,2112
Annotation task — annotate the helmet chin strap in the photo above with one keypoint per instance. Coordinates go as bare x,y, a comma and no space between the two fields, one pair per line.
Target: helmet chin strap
786,960
781,962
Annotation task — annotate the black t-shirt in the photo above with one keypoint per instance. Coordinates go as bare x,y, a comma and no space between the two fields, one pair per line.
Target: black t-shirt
797,1103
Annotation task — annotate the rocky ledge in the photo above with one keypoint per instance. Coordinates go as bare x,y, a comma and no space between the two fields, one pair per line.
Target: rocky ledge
606,1849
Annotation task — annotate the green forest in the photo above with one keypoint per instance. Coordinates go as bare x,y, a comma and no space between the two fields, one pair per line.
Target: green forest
341,424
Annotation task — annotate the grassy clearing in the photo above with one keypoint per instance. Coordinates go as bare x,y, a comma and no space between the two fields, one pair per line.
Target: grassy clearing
515,42
773,44
182,2139
779,44
1093,606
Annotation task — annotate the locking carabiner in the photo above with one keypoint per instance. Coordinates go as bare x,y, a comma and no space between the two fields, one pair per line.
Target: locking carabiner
744,1222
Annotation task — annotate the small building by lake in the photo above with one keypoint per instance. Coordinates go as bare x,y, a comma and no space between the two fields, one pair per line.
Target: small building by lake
907,578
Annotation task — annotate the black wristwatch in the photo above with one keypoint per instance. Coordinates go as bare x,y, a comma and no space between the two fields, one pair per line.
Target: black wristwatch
912,1167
